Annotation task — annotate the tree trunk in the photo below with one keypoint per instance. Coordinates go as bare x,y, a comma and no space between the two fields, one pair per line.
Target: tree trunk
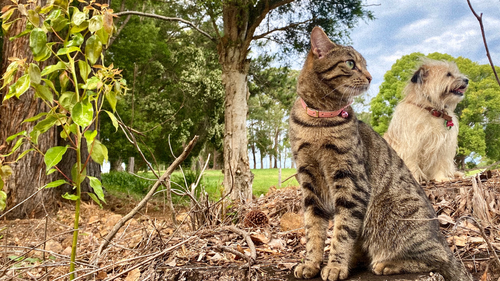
116,165
253,154
131,165
237,174
262,160
29,172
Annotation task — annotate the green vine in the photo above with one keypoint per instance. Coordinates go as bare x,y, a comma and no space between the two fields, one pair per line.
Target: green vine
74,88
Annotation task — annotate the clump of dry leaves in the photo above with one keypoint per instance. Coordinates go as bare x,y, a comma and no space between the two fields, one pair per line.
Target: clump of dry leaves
151,247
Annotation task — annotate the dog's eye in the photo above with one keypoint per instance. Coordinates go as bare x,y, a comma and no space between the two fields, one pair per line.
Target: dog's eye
350,64
449,74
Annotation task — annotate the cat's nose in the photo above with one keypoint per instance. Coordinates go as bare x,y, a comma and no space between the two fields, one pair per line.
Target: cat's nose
368,77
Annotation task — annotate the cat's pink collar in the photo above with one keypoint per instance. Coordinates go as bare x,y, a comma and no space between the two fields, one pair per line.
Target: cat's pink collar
325,114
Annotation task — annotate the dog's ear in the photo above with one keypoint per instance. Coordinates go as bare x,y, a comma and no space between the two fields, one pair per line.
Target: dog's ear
420,75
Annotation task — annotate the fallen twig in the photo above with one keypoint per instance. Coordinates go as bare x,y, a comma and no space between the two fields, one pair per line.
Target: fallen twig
164,177
251,245
483,234
237,253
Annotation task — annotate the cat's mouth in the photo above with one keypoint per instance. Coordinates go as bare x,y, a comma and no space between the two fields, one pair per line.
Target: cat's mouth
459,91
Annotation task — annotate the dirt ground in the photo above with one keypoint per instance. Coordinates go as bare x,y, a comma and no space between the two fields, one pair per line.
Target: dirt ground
219,241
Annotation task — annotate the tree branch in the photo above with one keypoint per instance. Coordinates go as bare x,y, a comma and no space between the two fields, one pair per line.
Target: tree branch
148,196
166,19
260,36
480,20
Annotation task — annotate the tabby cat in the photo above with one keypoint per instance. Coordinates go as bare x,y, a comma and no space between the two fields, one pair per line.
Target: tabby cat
348,173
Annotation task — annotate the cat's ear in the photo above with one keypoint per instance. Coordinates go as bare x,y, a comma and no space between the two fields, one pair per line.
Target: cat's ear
420,75
320,43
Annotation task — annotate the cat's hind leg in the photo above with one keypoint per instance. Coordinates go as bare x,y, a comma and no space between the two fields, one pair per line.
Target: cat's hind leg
400,266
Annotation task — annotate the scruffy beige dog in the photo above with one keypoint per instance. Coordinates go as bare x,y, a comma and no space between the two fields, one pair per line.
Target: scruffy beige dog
424,128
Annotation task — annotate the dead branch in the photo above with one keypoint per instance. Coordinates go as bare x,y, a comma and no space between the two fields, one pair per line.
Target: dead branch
251,245
151,258
237,253
166,19
483,234
480,20
294,175
162,179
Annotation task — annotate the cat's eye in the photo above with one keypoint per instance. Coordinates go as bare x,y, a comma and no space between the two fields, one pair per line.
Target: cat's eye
350,64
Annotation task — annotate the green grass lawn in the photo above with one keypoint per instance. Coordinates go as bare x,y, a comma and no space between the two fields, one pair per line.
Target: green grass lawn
123,183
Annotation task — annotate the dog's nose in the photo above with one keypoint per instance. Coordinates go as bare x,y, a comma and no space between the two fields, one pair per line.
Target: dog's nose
466,81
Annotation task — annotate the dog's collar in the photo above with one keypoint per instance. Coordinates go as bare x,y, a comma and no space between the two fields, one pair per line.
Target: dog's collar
325,114
439,114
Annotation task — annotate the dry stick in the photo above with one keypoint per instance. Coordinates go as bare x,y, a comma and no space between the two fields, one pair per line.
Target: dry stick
148,196
480,20
151,258
483,234
251,245
294,175
237,253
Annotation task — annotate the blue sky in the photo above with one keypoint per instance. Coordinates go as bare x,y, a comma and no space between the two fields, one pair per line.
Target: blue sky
402,27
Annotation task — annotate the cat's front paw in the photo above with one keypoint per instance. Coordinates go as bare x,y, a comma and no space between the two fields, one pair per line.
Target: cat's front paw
306,271
386,268
334,272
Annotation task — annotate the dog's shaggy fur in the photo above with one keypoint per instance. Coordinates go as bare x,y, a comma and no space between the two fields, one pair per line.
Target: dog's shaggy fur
422,140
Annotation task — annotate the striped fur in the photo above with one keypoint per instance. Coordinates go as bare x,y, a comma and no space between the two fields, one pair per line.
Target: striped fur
348,173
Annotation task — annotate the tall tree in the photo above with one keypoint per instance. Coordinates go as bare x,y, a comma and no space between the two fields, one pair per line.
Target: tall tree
235,24
478,113
175,88
29,172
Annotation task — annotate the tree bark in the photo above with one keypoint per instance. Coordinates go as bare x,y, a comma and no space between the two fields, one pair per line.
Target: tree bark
233,50
29,172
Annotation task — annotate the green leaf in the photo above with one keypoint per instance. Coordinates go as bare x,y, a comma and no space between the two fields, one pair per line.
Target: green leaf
95,23
24,84
84,70
64,51
92,195
9,73
111,98
54,155
68,100
50,84
103,36
34,73
99,152
34,118
43,92
51,68
74,173
113,119
54,15
76,40
24,154
93,49
44,125
59,23
95,183
70,196
3,197
38,39
16,146
82,113
44,54
78,17
91,83
20,87
90,136
34,17
5,171
55,183
10,138
51,171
